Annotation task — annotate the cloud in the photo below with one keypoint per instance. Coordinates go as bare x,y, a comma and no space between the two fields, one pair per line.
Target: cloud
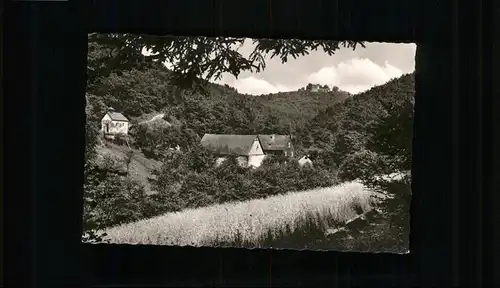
255,86
349,72
355,75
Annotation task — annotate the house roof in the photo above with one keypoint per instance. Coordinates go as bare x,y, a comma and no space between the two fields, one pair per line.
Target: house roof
115,116
224,144
274,142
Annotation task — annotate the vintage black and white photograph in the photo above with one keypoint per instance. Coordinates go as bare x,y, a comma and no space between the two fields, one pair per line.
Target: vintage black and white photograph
248,143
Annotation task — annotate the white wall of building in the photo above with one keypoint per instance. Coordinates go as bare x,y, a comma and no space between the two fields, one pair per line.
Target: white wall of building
115,127
256,155
256,148
256,160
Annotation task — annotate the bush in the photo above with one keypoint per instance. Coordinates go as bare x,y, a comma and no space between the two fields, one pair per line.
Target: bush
121,139
199,189
361,165
191,179
150,153
313,177
233,182
396,206
113,201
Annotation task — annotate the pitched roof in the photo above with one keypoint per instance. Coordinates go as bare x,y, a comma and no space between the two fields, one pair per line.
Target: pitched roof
274,142
223,144
115,116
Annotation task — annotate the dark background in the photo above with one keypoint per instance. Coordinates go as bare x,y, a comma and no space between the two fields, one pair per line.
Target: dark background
452,220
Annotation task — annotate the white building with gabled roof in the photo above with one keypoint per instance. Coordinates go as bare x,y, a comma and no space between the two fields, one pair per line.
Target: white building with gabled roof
114,123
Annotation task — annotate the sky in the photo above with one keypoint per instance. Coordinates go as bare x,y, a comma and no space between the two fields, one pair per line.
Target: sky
353,71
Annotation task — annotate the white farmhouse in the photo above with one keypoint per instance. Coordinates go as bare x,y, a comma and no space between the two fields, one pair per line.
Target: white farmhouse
114,123
247,148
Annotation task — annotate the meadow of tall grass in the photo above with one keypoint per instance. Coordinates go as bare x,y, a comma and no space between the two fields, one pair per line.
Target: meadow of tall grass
263,222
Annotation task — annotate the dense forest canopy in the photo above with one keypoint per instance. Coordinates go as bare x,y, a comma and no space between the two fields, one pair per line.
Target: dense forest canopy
137,92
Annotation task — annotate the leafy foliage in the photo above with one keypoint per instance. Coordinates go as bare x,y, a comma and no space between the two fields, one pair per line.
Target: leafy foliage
155,142
194,60
105,191
364,164
220,110
346,127
191,180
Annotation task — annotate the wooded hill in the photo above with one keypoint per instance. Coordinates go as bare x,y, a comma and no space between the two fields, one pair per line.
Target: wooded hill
347,127
340,129
220,110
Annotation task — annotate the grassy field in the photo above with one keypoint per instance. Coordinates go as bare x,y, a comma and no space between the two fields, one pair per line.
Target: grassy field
285,221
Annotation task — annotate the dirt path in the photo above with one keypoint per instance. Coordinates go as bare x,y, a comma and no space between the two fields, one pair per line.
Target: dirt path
154,118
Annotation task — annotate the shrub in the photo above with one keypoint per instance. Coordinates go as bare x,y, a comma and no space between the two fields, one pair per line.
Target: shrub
396,206
112,201
150,153
313,177
194,172
120,139
361,165
199,189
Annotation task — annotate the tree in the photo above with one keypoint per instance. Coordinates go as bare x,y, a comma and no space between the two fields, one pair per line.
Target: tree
392,138
271,125
198,159
92,177
199,189
194,59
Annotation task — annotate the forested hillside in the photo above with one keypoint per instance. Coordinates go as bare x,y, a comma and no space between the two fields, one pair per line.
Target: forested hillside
346,128
219,109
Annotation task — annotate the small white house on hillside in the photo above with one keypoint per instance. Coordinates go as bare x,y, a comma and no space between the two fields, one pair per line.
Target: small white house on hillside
247,148
114,123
